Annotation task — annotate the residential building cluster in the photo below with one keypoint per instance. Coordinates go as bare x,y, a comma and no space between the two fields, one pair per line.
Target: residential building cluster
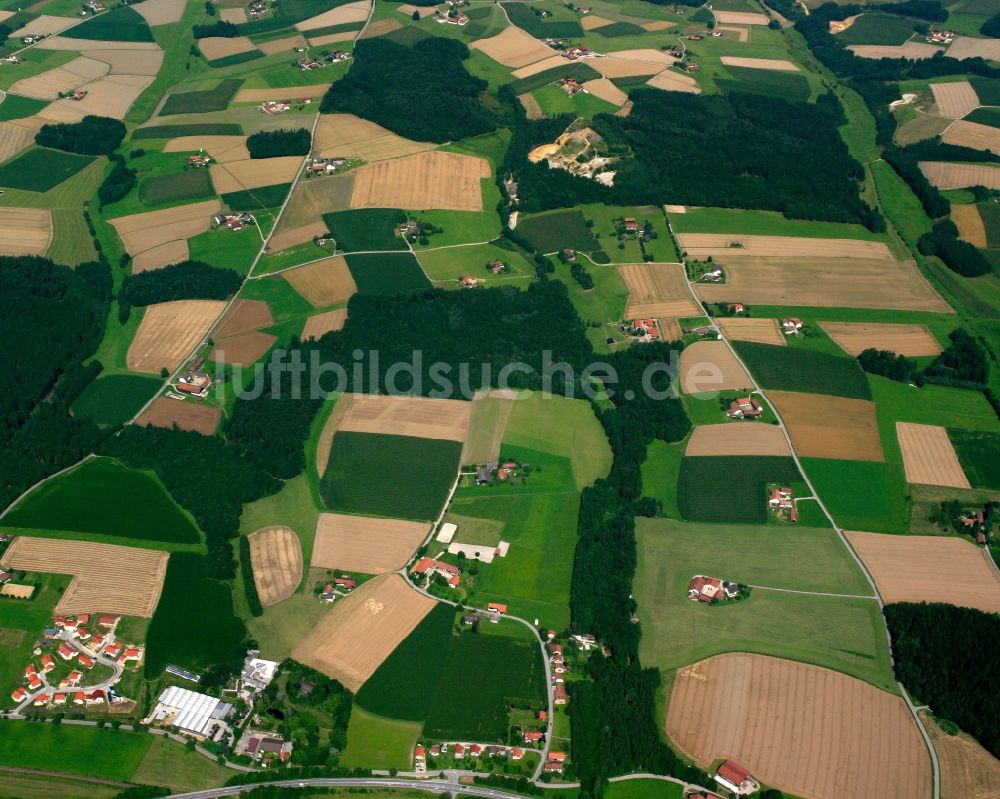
782,503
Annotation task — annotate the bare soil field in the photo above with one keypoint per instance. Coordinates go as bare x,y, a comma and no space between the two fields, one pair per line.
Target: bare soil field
422,181
340,409
318,325
974,135
130,62
710,366
954,100
14,138
238,16
808,731
968,47
110,96
25,231
324,283
6,15
743,438
187,415
967,770
830,427
825,283
914,50
243,350
855,337
615,67
348,136
222,148
243,316
288,44
352,12
365,544
670,329
539,66
408,416
605,90
50,84
289,237
512,47
970,224
141,232
350,642
173,252
161,12
592,22
928,568
168,333
657,290
741,18
947,175
86,45
379,27
701,245
764,331
276,557
841,25
928,456
776,64
216,47
532,109
254,173
262,95
44,25
673,82
107,578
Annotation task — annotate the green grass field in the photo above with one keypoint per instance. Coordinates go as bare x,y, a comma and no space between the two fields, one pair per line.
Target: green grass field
199,102
384,475
366,229
990,214
376,742
257,199
987,89
796,369
552,231
878,29
861,495
89,751
985,116
554,101
453,263
386,273
192,129
121,24
193,184
643,789
899,203
16,107
563,25
763,223
977,452
171,765
17,785
660,474
40,169
579,70
729,488
103,497
837,632
791,86
114,399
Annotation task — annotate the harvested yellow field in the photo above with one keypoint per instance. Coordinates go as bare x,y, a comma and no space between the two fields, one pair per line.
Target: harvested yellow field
593,22
169,331
954,100
928,456
970,224
808,731
670,329
830,427
184,414
708,366
700,246
216,47
947,175
320,324
350,642
110,96
605,90
914,50
262,95
968,47
740,18
254,173
85,45
222,148
614,67
237,16
648,55
664,309
763,331
324,283
971,134
657,290
141,232
331,38
674,82
658,25
161,12
512,47
50,84
379,27
348,136
106,578
740,438
856,337
365,544
276,557
967,770
776,64
25,231
532,109
173,252
539,66
409,10
352,12
928,568
432,179
14,138
287,44
825,283
43,25
129,62
408,416
289,237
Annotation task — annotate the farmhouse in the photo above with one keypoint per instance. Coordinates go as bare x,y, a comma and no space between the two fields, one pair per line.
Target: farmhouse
744,408
734,777
469,282
704,589
736,308
427,567
274,107
345,583
195,383
190,712
198,161
570,86
646,329
452,17
232,220
791,326
257,673
267,746
781,502
308,62
577,51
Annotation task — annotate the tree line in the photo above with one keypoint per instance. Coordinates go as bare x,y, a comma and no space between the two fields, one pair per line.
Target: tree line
187,280
964,363
274,143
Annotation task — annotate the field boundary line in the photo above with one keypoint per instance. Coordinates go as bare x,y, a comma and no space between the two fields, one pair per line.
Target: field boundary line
33,772
812,593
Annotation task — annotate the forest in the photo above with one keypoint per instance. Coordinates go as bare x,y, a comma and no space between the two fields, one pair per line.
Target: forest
90,136
249,585
944,655
991,27
274,143
888,364
188,280
119,182
387,81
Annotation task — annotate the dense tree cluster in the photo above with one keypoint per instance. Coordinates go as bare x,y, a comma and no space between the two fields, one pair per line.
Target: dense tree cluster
188,280
959,256
226,30
90,136
249,585
991,27
387,81
965,360
888,364
943,655
308,688
119,182
274,143
908,168
929,10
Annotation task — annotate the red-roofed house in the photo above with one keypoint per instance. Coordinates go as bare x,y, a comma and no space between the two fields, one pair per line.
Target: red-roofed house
113,650
79,698
71,680
559,694
704,589
34,681
516,753
18,694
347,583
29,670
66,652
131,655
736,307
497,606
419,753
107,620
47,664
459,752
736,778
83,618
84,634
95,698
543,715
59,699
533,736
744,408
86,662
475,750
41,699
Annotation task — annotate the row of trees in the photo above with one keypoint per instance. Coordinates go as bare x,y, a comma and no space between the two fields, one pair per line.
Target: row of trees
118,183
249,584
964,363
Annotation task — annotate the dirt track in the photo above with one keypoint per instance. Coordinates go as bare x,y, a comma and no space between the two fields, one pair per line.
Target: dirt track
928,456
187,415
830,427
276,556
739,438
365,544
169,331
422,181
855,337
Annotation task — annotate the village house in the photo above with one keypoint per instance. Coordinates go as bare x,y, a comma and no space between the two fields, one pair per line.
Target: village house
345,583
736,778
744,408
5,577
554,763
736,308
131,655
268,746
941,37
197,161
630,225
58,699
647,330
95,698
324,166
459,752
469,282
533,736
427,567
47,664
18,694
66,652
232,220
196,384
114,649
108,620
274,107
497,267
452,17
86,662
571,86
517,753
577,51
704,589
691,66
94,6
559,696
791,326
258,9
71,680
41,700
328,594
336,56
34,682
308,62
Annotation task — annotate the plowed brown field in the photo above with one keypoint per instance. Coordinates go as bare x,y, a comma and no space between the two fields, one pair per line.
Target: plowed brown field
187,415
261,95
106,578
422,181
914,50
408,416
742,438
954,100
764,331
216,47
718,245
928,456
708,366
592,22
289,237
324,283
169,331
365,544
318,325
830,427
50,84
350,642
967,770
670,329
161,12
352,12
974,135
276,556
348,136
243,316
244,349
809,731
512,47
909,340
947,175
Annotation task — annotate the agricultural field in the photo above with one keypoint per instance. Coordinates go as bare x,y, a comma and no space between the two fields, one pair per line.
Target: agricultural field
977,455
386,273
710,366
168,333
364,544
114,399
928,456
376,741
719,488
802,370
830,427
40,169
276,557
966,768
88,751
749,439
185,414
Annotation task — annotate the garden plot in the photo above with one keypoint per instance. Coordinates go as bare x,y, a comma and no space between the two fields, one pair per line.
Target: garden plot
141,232
50,84
161,12
169,331
948,175
929,457
348,136
700,246
744,438
173,252
318,325
425,180
15,137
709,366
671,82
830,427
776,64
276,557
914,50
186,415
254,173
740,18
44,25
970,224
244,316
971,134
824,282
243,350
110,96
263,95
352,12
512,47
216,47
289,237
954,100
408,416
967,769
223,149
968,47
365,544
806,730
106,578
856,337
604,89
657,290
764,331
350,642
324,283
25,231
925,568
